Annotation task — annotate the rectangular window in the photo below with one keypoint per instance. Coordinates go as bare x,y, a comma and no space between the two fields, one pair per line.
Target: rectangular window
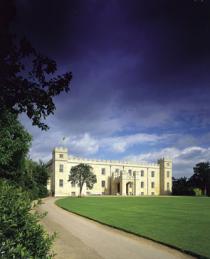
142,173
61,155
103,171
152,185
117,170
61,168
168,187
73,193
153,193
72,184
168,173
60,182
142,193
130,172
142,184
152,174
103,183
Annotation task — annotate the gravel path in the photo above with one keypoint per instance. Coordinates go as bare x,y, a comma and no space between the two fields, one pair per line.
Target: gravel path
80,238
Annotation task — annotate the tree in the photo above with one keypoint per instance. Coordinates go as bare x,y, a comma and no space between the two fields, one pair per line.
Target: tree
82,174
28,79
181,186
201,177
34,178
14,145
21,235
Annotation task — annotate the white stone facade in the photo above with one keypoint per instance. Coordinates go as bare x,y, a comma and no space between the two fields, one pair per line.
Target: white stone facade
113,177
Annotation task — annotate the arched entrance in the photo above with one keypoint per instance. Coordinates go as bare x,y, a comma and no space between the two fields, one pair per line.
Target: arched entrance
118,188
129,188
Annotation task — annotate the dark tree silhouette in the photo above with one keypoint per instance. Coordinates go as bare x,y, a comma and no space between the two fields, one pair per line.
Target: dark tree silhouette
201,177
28,80
181,186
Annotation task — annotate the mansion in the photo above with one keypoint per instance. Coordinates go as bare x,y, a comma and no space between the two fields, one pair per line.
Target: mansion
113,177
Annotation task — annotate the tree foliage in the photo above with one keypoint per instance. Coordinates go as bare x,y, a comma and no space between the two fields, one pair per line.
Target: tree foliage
201,177
21,236
181,186
82,174
34,178
14,145
28,79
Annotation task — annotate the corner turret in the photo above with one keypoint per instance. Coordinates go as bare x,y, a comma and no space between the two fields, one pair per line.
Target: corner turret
165,176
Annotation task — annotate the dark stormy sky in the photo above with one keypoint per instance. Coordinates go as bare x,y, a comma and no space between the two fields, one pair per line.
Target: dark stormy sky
141,78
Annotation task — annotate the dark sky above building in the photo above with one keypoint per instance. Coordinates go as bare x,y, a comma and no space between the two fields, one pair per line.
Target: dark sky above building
141,77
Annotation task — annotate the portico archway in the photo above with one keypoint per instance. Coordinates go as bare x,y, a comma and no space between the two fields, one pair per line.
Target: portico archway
129,188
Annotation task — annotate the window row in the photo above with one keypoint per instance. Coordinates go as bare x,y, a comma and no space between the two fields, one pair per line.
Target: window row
103,183
103,171
152,184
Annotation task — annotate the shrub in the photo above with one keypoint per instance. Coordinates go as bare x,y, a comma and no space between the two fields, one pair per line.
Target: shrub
197,191
21,235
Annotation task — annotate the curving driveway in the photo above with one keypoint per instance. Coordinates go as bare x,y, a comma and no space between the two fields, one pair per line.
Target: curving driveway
80,238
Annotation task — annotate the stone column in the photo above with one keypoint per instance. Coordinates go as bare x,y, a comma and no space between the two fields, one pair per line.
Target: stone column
136,184
123,184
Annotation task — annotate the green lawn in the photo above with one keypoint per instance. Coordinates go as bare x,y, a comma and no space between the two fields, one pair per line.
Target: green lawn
183,222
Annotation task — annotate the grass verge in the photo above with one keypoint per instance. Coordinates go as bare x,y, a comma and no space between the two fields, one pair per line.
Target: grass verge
180,222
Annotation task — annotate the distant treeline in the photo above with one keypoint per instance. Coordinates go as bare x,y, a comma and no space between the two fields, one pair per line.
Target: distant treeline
198,184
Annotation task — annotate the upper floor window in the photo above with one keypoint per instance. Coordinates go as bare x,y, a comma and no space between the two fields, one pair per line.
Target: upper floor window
130,172
61,155
168,173
152,174
60,168
117,170
103,171
103,183
142,184
60,182
152,185
142,172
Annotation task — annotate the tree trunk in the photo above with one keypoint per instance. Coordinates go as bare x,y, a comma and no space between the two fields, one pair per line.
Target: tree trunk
80,189
205,190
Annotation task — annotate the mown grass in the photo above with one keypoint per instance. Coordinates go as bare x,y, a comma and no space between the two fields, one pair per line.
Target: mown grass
183,222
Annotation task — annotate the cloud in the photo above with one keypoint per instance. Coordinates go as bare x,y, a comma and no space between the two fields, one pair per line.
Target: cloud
121,144
183,159
87,145
83,144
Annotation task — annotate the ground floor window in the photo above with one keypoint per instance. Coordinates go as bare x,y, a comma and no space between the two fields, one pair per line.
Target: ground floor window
142,193
103,183
73,193
168,187
153,193
60,182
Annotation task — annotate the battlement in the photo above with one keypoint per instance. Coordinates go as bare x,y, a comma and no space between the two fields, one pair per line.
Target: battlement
60,149
113,162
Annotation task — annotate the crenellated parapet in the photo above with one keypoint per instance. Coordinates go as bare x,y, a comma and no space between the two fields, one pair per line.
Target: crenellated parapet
112,162
60,149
